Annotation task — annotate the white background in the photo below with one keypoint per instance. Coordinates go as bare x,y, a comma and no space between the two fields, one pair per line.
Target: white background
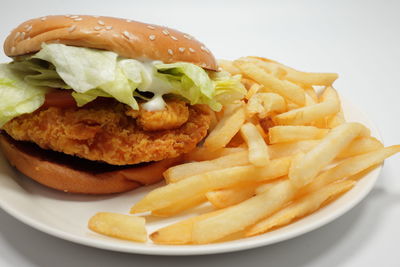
360,40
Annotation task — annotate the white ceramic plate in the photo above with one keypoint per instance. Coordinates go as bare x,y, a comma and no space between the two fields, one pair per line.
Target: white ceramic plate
66,216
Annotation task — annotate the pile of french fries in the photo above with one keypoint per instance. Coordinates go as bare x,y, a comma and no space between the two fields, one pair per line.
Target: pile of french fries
279,154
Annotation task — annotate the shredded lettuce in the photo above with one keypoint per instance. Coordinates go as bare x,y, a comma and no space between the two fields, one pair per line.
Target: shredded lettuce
17,96
93,73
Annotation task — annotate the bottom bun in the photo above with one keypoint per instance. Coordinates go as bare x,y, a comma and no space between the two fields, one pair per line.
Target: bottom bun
76,175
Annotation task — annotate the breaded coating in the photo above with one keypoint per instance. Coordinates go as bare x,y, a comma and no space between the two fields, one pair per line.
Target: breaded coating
105,133
175,114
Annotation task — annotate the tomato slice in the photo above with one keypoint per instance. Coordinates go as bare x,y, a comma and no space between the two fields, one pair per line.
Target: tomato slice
59,98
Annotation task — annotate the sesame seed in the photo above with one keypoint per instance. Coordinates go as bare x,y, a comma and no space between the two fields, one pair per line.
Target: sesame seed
74,17
109,27
28,28
170,52
16,35
152,37
151,27
128,35
100,22
43,18
72,28
67,16
22,35
192,50
187,37
96,17
78,19
128,20
98,28
13,49
165,32
205,49
181,49
174,38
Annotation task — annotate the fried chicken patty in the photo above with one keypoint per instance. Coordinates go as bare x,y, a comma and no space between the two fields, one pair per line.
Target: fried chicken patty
106,133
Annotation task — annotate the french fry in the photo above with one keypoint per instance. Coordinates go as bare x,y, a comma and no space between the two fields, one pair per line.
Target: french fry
284,88
253,90
300,208
223,198
228,66
179,207
258,150
304,170
349,167
202,153
236,218
119,225
287,149
225,130
359,146
179,233
305,78
202,183
263,187
263,104
311,92
306,115
282,134
179,172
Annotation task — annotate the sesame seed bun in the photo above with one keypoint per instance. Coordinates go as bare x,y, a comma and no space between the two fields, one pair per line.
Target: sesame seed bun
69,174
130,39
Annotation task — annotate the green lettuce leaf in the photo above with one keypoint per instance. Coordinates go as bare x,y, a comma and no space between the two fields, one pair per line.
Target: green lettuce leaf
93,73
81,68
17,96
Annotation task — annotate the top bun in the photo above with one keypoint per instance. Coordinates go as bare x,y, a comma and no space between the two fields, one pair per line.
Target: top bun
127,38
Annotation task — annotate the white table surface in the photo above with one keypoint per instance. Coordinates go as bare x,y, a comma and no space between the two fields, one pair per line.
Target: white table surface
360,40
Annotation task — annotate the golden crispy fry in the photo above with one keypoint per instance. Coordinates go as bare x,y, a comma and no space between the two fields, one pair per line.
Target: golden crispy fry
242,215
349,167
263,104
271,83
287,149
258,150
179,207
336,119
230,196
249,83
202,153
179,233
311,92
300,208
119,225
225,130
359,146
253,90
179,172
303,170
202,183
228,66
306,115
300,77
281,134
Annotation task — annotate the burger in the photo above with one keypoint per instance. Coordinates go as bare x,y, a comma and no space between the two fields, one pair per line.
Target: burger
99,105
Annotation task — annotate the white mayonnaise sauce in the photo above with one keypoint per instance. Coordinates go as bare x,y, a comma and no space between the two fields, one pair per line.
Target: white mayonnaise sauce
156,85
